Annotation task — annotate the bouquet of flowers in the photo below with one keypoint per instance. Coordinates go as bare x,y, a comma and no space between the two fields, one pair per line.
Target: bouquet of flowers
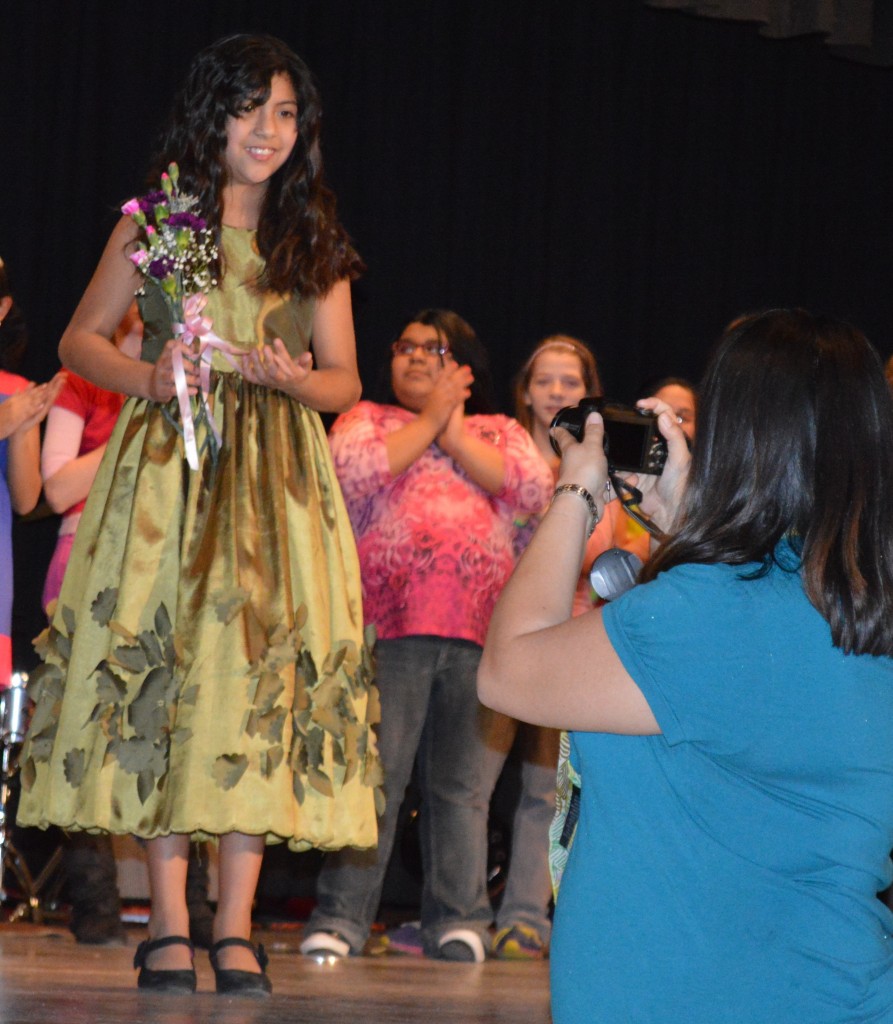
175,248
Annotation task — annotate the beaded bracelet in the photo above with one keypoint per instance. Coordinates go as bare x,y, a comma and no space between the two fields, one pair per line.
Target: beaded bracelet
581,492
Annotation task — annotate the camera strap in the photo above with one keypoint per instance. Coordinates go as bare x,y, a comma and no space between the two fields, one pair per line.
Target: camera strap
631,498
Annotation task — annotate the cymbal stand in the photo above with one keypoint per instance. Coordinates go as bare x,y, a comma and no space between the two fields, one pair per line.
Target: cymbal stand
13,703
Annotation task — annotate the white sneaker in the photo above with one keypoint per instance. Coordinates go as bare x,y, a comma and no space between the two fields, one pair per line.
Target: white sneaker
462,945
322,945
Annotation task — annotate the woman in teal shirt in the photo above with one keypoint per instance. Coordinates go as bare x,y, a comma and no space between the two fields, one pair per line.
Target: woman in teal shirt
732,715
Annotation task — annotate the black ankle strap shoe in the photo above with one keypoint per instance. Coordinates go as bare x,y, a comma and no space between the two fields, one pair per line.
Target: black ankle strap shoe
181,982
241,983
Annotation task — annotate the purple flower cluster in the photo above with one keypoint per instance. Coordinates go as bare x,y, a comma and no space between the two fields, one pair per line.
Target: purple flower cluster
150,200
186,220
174,246
160,268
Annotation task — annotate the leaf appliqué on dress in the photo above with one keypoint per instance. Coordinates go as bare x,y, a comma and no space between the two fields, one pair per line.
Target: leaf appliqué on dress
228,769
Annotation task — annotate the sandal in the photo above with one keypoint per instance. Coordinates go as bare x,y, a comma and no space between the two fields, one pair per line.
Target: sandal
180,981
241,983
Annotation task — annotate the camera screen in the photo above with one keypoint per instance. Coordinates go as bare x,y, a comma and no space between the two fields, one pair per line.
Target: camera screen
628,443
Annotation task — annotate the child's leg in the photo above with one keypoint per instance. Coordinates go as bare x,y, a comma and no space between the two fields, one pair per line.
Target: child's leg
238,864
167,859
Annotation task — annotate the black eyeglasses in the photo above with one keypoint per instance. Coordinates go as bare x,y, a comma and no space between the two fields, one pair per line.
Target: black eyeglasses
405,347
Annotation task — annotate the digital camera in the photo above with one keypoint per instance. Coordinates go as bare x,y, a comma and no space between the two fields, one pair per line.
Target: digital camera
632,441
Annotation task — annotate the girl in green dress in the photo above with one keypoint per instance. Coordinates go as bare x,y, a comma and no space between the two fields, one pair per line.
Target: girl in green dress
206,673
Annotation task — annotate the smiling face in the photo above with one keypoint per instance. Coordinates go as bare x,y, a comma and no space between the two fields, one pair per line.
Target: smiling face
556,380
413,375
260,138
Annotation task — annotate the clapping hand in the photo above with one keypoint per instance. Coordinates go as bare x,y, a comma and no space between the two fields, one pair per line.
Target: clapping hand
273,367
445,406
25,409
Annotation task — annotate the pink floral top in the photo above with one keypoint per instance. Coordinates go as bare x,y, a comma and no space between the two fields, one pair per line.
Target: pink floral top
435,548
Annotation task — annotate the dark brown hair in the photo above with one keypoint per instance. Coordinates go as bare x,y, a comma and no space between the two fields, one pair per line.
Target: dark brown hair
466,349
795,424
299,236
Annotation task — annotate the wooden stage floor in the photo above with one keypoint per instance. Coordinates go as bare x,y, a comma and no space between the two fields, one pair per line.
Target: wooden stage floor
47,978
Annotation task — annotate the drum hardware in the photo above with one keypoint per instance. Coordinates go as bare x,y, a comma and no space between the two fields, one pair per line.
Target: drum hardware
35,893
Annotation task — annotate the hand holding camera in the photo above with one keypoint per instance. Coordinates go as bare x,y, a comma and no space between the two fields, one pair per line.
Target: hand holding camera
644,445
583,464
631,439
662,495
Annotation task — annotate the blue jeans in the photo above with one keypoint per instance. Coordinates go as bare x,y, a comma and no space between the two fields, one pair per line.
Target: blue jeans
429,707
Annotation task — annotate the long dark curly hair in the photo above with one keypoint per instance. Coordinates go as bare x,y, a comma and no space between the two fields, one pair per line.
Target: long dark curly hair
299,236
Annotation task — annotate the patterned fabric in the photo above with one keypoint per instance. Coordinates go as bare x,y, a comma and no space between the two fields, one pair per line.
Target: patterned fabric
436,549
10,383
206,668
567,812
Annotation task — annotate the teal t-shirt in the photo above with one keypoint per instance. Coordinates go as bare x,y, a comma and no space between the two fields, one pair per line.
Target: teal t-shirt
726,871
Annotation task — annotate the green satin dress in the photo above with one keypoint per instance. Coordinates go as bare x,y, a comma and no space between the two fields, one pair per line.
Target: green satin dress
206,669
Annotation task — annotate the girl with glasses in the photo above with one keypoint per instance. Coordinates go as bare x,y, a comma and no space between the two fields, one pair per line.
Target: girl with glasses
433,481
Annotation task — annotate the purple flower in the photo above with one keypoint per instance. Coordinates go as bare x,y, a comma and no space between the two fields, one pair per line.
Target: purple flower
150,200
186,220
160,268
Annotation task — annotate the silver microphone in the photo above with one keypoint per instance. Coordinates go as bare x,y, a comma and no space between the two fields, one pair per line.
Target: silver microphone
614,572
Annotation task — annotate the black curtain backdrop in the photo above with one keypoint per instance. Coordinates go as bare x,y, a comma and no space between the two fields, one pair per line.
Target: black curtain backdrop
629,175
858,29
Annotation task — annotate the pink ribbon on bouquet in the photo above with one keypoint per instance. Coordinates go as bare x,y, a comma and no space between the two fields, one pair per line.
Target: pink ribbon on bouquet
196,327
